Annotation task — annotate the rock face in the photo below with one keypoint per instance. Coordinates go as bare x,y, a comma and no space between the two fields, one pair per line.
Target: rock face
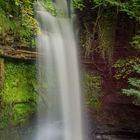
117,120
12,47
23,54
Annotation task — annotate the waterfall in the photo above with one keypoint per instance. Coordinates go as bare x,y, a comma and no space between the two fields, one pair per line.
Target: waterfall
59,104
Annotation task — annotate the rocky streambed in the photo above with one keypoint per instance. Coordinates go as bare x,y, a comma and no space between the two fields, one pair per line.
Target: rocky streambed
117,120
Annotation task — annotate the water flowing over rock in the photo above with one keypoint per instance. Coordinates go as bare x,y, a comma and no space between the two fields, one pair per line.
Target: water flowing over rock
60,109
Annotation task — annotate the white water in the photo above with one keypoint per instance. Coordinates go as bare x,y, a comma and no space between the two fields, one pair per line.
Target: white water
59,112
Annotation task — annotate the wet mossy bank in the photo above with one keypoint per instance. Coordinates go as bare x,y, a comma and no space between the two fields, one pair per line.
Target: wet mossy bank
18,92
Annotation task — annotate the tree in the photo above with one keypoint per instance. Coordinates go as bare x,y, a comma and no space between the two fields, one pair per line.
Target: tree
99,33
134,89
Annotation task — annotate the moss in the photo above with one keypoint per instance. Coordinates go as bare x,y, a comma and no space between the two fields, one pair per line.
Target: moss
93,90
19,93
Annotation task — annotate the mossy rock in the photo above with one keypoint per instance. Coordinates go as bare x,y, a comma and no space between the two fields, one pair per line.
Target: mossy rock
19,94
93,90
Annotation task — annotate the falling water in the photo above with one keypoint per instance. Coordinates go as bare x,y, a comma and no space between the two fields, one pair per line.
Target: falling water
59,112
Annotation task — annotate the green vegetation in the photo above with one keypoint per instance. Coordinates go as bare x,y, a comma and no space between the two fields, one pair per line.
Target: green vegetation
99,35
50,6
130,7
124,67
136,41
19,94
93,90
134,89
78,4
18,16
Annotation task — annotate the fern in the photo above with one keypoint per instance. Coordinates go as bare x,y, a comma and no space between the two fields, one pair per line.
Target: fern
134,90
134,82
6,23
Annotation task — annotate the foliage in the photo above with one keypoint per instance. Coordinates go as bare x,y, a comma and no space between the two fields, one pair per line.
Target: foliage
5,23
124,67
136,41
18,15
78,4
86,41
19,94
28,24
130,7
134,89
106,30
50,6
93,92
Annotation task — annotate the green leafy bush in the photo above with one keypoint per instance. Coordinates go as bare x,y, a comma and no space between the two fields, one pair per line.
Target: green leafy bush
134,89
18,15
93,90
125,67
136,41
78,4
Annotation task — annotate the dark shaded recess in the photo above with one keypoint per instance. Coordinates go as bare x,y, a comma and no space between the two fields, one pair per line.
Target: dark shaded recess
118,116
126,28
88,15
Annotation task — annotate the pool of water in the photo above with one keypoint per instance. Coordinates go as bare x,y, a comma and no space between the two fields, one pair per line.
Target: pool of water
17,133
